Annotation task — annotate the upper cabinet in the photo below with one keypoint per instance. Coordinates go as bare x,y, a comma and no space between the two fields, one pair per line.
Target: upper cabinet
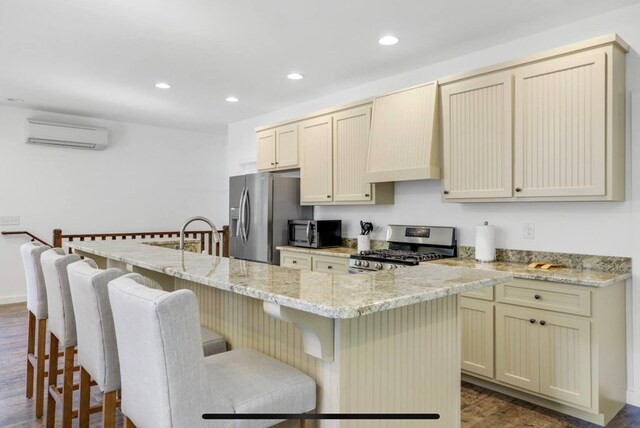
404,136
278,148
546,129
332,167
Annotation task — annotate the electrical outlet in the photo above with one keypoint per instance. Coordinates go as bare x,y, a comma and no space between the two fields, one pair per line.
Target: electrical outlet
529,231
10,220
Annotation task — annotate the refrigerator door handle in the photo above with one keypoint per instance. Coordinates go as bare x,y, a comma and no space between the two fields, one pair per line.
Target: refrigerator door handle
239,229
247,209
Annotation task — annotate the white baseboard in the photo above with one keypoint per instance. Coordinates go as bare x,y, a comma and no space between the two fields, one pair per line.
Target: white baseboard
633,398
12,299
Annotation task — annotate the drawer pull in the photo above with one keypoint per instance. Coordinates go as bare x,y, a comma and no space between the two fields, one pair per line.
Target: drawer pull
294,262
542,322
537,297
532,321
329,267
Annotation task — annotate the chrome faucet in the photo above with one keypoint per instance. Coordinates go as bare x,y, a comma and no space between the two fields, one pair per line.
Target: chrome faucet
214,229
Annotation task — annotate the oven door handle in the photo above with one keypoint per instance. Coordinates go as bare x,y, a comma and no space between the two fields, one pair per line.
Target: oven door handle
309,233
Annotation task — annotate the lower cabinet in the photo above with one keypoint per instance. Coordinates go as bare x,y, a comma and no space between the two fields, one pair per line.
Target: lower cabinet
316,263
563,345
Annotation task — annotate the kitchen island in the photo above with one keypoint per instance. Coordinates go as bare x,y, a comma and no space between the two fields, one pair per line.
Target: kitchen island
383,342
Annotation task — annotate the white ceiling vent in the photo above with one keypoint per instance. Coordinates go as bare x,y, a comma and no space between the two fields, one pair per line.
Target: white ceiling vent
66,135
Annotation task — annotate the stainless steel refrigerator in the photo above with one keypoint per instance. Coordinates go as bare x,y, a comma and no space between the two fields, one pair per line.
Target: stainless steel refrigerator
259,207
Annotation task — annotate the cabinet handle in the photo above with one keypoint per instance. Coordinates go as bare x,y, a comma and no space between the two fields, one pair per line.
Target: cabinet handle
446,192
542,322
277,163
366,195
328,196
532,321
294,262
329,267
272,163
537,297
518,189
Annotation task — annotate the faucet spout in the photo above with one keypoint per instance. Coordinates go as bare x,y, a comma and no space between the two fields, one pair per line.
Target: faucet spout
214,229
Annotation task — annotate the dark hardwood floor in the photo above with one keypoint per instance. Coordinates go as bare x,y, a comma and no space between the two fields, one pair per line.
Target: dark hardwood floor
480,407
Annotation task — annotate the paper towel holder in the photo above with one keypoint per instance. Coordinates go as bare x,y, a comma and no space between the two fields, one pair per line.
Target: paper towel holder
485,250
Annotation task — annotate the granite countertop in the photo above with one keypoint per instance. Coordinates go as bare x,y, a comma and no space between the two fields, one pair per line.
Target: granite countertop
345,252
586,277
332,296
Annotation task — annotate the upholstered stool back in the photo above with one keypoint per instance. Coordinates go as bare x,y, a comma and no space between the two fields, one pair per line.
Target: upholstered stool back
62,321
164,381
36,291
97,347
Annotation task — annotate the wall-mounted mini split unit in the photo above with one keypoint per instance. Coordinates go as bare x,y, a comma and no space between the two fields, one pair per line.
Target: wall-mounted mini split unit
66,135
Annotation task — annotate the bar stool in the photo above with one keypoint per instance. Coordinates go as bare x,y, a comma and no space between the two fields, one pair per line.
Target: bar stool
62,332
97,348
212,342
37,314
166,382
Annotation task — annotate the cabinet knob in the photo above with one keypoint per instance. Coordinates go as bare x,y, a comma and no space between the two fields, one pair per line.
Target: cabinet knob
329,267
542,322
537,297
366,195
294,262
518,189
277,163
446,192
532,321
272,163
328,196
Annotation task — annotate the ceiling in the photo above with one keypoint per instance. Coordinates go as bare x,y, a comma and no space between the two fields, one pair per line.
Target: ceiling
102,58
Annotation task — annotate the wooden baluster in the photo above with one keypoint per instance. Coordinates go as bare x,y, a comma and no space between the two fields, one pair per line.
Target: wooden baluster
225,241
57,238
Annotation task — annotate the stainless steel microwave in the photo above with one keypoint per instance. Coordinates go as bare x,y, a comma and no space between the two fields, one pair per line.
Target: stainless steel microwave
315,233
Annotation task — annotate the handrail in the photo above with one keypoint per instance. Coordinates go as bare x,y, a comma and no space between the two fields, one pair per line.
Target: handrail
29,234
58,237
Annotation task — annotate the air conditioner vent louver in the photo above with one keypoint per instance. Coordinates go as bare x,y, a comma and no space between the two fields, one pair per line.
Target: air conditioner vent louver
66,135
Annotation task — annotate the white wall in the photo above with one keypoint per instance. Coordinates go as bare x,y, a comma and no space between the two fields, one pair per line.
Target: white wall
587,228
149,178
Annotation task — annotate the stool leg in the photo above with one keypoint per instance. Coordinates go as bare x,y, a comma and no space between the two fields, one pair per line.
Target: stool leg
31,346
85,392
109,410
302,423
67,388
53,379
128,423
42,338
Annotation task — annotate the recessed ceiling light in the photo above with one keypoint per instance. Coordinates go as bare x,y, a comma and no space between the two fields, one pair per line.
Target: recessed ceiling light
295,76
15,100
231,99
163,85
388,40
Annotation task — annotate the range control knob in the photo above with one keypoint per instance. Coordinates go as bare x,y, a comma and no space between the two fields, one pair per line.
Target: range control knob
378,265
389,267
357,263
365,263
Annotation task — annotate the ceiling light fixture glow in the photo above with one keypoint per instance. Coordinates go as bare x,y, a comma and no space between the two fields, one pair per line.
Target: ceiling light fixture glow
231,99
294,76
388,40
163,85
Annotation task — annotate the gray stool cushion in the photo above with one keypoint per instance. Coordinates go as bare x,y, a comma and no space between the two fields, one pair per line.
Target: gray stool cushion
256,383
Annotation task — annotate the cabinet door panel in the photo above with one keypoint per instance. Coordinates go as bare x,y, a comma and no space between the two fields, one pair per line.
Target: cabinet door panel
517,347
287,146
266,158
316,171
560,126
565,359
477,138
350,142
477,336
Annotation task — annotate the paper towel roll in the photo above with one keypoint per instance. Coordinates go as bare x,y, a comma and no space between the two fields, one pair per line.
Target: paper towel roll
485,243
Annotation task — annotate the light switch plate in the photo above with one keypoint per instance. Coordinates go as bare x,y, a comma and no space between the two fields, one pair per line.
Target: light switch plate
529,231
9,220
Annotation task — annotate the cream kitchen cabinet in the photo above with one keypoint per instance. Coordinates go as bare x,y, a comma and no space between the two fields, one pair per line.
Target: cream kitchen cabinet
278,148
477,336
557,345
559,115
333,149
314,262
404,143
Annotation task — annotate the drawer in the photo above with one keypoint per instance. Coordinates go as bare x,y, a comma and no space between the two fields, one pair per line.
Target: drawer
482,293
327,264
551,296
295,260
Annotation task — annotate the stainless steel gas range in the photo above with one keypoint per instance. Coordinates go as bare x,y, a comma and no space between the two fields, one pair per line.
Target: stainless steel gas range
408,246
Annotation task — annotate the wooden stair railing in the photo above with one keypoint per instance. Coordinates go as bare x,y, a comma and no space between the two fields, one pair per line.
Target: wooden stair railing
24,232
205,236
